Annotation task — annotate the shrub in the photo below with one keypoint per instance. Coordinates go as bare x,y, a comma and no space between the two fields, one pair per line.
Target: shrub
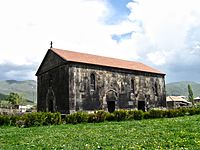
197,110
47,118
146,115
100,116
20,123
32,119
120,115
182,111
130,115
156,113
50,118
41,118
4,120
78,117
171,113
14,119
92,118
110,117
193,111
138,114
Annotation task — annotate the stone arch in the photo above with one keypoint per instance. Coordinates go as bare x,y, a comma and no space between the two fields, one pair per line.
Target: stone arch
50,101
110,100
111,95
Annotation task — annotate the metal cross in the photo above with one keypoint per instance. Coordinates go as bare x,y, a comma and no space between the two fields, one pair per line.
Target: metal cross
51,44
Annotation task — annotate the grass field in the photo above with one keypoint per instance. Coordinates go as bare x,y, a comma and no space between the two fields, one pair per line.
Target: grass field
168,133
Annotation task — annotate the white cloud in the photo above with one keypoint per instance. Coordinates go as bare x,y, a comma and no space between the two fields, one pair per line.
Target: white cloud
163,31
166,23
27,27
170,35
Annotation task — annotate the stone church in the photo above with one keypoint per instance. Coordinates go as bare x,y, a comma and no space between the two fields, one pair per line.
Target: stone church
70,81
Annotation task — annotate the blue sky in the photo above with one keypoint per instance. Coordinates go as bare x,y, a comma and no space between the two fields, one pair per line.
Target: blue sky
164,34
119,11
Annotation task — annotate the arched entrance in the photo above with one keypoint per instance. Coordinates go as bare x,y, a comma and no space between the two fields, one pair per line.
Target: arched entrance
141,105
111,99
50,100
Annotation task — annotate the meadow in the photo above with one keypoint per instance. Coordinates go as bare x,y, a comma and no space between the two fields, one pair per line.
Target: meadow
164,133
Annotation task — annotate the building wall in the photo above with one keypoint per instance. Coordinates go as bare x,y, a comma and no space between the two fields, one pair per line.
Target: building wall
113,85
66,87
53,90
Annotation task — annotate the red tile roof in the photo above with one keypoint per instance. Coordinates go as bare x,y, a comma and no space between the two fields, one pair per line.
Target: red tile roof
104,61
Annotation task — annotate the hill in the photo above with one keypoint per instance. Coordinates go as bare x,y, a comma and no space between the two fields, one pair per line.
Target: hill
26,88
181,88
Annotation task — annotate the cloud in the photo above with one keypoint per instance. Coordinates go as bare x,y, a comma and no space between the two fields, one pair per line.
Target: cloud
163,34
20,72
27,27
171,29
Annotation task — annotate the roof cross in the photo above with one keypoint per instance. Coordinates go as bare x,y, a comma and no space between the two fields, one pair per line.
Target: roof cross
51,44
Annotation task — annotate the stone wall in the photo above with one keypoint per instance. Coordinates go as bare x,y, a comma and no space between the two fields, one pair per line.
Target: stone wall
121,88
67,87
53,90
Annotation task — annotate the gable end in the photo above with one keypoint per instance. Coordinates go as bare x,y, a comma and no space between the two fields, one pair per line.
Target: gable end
50,61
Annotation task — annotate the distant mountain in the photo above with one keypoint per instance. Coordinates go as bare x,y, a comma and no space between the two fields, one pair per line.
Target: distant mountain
26,88
181,88
2,96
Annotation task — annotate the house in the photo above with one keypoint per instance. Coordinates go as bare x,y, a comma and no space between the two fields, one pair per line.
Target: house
177,102
197,99
70,81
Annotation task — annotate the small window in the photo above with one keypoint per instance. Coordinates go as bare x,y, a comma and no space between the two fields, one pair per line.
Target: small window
92,82
132,85
156,89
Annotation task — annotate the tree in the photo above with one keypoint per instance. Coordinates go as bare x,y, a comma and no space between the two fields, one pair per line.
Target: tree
14,98
190,94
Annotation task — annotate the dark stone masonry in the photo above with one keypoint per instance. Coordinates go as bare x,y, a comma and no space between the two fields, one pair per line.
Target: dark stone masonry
70,81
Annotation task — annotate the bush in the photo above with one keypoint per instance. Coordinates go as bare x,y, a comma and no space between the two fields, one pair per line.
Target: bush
146,115
51,118
138,114
193,111
135,114
120,115
41,118
20,123
92,118
14,119
110,117
130,115
47,118
100,116
171,113
78,117
4,120
156,113
33,119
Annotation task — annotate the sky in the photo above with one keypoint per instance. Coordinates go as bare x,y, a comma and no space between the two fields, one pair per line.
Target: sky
164,34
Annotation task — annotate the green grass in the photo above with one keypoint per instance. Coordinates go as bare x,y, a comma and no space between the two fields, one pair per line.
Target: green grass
168,133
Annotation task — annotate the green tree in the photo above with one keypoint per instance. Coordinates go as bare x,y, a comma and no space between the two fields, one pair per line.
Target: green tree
14,98
190,94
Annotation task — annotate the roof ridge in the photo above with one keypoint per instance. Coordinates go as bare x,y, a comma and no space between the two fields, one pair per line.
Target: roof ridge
104,61
97,55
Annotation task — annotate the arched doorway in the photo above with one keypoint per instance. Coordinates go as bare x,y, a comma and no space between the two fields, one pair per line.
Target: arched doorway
111,99
50,99
141,105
